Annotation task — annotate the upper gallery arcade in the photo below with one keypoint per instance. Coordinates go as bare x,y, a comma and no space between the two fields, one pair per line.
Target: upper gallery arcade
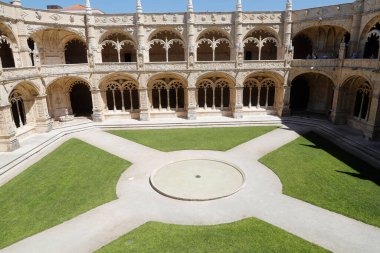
140,65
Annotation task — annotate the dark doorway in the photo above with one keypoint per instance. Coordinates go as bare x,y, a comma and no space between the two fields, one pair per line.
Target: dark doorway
6,55
299,95
303,47
81,100
75,52
371,50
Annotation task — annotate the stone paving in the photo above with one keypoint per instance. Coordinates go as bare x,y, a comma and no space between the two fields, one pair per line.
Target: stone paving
260,197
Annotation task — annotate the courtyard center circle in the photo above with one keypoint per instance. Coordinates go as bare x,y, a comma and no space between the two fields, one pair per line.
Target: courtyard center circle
197,180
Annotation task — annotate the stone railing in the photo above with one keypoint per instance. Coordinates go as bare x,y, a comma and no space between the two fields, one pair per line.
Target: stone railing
12,74
18,73
64,69
165,66
273,64
361,63
115,67
214,65
318,63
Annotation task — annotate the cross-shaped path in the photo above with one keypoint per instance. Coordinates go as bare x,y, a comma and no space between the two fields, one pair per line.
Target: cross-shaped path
260,197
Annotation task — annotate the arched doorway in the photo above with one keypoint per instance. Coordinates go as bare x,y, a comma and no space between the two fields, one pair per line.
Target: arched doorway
81,100
311,93
299,95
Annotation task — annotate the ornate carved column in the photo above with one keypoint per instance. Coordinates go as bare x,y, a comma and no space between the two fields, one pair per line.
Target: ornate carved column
192,48
144,104
43,120
142,52
192,97
97,108
284,108
93,54
192,103
8,140
238,108
239,48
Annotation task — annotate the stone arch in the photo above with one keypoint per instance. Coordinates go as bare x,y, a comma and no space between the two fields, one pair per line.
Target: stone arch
111,31
70,95
51,43
266,28
117,45
355,99
261,44
119,93
214,44
311,92
370,39
22,101
262,91
168,92
215,92
8,47
319,42
365,32
166,45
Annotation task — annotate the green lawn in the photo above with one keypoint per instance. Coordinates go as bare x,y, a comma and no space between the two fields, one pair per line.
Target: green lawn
314,170
249,235
71,180
220,139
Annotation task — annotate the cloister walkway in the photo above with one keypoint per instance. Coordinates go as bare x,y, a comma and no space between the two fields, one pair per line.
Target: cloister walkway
261,197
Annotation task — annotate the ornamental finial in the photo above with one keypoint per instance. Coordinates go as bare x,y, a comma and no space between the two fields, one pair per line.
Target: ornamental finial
190,7
88,7
289,5
139,6
16,2
239,6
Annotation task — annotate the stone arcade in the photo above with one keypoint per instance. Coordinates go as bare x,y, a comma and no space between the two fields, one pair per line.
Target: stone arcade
142,66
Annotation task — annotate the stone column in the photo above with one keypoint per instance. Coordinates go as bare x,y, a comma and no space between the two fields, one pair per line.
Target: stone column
239,47
142,52
337,115
192,103
238,108
22,57
286,101
43,120
371,131
144,104
192,48
355,30
97,108
26,60
8,140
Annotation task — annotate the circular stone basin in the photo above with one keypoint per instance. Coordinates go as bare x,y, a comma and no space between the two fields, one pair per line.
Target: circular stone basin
197,180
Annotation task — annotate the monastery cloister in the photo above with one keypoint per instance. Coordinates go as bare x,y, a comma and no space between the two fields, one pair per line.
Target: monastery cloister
320,61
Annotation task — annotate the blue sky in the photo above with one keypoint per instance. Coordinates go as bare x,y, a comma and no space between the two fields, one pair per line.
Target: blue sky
120,6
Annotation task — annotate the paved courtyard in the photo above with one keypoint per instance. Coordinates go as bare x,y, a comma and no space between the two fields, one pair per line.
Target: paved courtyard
260,196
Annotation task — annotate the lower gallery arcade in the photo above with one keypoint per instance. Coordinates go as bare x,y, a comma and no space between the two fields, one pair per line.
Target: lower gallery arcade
169,95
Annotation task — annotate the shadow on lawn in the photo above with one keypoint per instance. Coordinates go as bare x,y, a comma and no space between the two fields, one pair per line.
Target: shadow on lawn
365,171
